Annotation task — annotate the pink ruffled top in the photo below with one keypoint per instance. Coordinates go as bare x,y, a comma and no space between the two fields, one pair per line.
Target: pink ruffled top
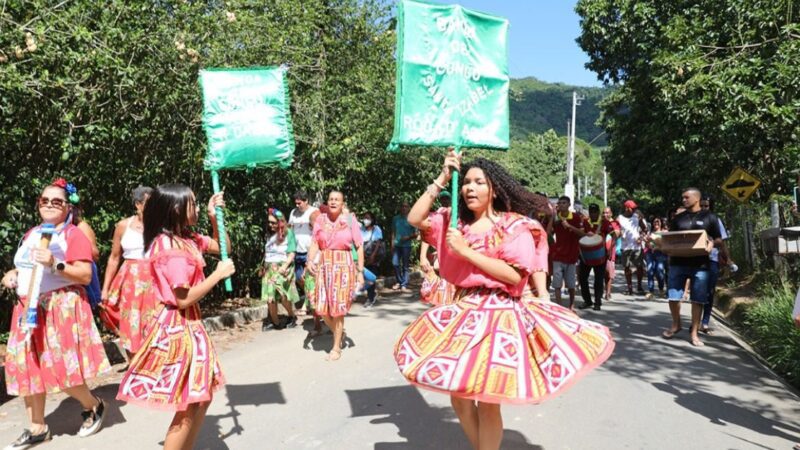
511,239
339,234
177,263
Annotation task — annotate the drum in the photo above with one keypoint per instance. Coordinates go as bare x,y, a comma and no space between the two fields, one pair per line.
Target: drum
593,250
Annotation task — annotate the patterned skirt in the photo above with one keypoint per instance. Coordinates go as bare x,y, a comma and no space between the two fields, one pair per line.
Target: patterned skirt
276,286
491,347
132,300
436,291
335,284
64,349
176,366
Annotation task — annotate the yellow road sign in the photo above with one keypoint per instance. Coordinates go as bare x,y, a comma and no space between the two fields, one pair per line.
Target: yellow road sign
740,185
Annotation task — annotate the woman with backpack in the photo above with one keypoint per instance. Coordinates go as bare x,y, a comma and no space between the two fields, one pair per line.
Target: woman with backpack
53,344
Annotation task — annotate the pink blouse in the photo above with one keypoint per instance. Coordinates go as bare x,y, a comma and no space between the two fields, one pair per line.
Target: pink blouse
177,263
337,235
510,239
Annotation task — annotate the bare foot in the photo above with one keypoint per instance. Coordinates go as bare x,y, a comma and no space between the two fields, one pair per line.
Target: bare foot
334,355
697,342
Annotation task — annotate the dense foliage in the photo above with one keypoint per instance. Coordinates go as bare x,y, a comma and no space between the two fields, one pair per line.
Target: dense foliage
702,86
106,95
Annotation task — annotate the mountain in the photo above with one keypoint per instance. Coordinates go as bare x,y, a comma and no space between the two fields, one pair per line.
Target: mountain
537,106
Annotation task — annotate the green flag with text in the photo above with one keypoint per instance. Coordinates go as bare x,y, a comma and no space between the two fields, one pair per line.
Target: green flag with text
452,77
246,118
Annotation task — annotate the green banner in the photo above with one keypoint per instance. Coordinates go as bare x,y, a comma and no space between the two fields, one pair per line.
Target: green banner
246,118
452,77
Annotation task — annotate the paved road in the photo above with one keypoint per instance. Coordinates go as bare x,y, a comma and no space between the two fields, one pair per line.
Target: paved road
282,394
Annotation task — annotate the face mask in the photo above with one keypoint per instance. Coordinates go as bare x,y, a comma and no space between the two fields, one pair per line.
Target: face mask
367,222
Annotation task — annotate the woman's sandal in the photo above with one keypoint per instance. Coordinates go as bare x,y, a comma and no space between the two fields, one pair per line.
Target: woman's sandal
697,342
669,334
396,287
334,355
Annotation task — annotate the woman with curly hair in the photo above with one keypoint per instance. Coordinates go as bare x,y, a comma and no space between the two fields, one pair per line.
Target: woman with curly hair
488,347
277,282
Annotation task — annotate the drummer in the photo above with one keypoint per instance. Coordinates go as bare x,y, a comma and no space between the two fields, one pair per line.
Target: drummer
568,229
597,229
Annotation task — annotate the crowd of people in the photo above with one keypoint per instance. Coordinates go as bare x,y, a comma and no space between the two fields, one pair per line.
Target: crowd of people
491,335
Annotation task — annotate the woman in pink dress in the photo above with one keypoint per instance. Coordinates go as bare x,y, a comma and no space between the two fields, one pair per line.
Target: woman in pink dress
64,349
338,274
129,304
488,347
176,369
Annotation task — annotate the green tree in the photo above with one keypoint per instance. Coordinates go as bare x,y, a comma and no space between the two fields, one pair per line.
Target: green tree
702,86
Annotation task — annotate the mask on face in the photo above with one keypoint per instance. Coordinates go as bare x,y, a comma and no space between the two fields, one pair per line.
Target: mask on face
367,222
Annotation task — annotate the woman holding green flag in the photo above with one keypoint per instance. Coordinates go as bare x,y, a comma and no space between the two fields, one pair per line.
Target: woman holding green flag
339,272
489,347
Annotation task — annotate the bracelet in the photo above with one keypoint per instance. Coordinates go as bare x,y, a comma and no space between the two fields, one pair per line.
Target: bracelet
433,191
435,183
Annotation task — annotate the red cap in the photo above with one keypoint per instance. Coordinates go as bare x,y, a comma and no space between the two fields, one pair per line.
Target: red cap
630,204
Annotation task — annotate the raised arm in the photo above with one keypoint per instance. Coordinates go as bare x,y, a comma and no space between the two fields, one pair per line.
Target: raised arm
213,246
418,216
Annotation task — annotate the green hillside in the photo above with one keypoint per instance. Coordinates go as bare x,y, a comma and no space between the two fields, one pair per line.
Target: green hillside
537,106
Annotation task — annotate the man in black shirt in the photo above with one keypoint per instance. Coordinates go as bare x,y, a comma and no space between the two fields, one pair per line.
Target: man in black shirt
693,268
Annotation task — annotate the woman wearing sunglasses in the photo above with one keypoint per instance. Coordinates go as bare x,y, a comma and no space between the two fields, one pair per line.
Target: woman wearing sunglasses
64,349
277,282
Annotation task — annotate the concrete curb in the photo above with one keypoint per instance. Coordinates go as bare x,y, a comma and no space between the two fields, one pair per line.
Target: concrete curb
242,316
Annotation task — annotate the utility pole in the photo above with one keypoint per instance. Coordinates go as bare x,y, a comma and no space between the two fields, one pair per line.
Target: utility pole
605,186
579,188
569,188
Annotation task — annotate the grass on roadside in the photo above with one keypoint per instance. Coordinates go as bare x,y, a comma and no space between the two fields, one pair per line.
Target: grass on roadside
769,326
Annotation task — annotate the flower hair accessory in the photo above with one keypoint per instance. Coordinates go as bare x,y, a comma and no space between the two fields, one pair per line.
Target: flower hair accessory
275,212
72,191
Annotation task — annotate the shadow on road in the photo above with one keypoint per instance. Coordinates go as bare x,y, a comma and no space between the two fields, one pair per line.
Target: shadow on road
690,373
213,434
66,418
421,425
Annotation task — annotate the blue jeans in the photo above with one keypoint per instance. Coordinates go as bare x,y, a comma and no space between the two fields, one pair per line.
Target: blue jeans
655,262
712,287
369,281
401,259
698,283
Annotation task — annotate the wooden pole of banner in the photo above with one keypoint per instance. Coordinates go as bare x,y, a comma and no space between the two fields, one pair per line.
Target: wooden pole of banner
454,195
223,242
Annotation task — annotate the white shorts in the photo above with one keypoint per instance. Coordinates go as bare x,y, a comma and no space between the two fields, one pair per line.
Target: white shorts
563,272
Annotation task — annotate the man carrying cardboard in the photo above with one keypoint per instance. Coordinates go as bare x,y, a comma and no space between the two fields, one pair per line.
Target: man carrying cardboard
696,269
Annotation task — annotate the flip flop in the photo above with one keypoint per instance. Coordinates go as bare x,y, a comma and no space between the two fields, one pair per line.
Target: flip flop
697,342
668,334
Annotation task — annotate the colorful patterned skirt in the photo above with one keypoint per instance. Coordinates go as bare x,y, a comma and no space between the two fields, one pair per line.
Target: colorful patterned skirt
276,287
491,347
435,290
176,366
64,349
335,284
132,299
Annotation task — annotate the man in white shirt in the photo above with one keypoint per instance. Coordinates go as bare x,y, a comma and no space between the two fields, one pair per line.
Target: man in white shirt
632,228
301,219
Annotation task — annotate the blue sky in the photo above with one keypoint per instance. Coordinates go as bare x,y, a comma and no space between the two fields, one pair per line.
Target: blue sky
541,41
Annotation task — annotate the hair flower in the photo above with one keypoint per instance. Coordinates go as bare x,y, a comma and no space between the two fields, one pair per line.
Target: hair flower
60,182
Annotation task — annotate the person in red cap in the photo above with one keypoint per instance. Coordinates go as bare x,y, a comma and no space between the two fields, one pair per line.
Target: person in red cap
632,227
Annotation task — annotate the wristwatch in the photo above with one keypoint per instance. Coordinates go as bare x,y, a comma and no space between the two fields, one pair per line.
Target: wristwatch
59,266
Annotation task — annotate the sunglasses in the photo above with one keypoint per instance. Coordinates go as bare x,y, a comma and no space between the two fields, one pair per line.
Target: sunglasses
54,202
